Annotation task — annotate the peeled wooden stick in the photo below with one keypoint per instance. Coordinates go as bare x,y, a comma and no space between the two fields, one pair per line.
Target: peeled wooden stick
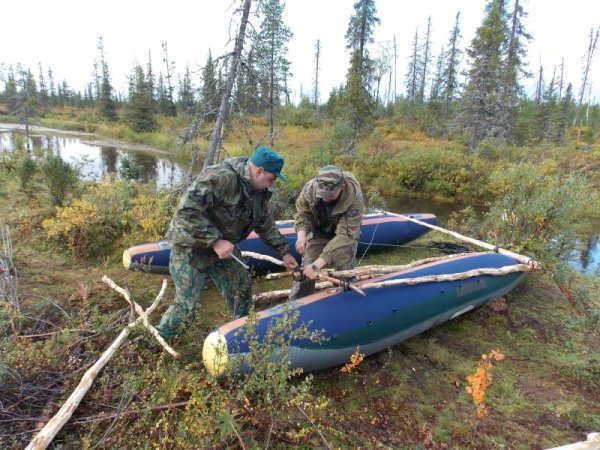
591,443
451,276
521,258
46,434
283,293
264,258
143,316
277,275
376,270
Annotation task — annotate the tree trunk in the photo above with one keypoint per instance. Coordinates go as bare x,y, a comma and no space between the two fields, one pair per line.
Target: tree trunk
226,97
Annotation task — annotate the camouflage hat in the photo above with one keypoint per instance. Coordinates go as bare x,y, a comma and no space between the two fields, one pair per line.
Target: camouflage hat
329,180
269,160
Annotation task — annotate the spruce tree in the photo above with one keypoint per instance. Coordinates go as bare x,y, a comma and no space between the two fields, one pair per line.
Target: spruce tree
412,72
544,126
44,98
187,99
565,109
513,70
51,87
481,102
168,103
359,101
450,77
11,94
106,104
425,62
209,92
140,112
271,46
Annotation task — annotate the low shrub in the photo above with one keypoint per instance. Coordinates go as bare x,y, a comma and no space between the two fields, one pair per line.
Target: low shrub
537,213
150,215
81,228
129,169
60,177
26,170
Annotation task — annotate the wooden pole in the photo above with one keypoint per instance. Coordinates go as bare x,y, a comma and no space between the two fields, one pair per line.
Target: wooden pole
591,443
521,258
377,270
283,293
54,425
451,276
263,258
153,331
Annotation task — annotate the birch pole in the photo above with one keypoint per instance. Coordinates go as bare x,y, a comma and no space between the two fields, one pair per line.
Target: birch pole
54,425
502,251
153,331
450,276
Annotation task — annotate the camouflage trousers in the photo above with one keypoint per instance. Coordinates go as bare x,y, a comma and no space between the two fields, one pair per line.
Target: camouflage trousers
232,280
343,261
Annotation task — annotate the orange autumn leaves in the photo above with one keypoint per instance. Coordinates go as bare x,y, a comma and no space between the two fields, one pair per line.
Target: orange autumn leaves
355,360
482,379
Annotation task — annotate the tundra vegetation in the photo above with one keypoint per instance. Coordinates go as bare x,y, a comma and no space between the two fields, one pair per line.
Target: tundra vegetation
521,372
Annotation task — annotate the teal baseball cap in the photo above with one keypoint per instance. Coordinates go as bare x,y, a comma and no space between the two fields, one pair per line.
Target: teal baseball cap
269,160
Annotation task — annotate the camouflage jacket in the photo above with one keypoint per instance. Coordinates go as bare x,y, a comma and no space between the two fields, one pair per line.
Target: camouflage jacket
221,204
346,216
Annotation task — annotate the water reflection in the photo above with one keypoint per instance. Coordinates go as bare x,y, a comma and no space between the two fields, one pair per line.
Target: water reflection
585,259
94,162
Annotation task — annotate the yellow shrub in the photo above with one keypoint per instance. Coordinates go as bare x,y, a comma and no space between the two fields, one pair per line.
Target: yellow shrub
71,224
150,216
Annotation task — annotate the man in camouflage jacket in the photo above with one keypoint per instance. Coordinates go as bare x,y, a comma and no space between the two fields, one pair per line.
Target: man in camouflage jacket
328,219
223,205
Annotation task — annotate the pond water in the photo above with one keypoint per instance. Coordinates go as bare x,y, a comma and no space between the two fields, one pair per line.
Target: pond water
96,161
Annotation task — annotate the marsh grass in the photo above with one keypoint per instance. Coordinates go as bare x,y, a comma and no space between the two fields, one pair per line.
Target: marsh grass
545,393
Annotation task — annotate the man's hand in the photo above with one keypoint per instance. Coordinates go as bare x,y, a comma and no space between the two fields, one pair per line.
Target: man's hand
289,261
311,271
223,248
301,242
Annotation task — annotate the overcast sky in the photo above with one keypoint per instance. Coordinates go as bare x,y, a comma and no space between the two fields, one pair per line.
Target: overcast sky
63,35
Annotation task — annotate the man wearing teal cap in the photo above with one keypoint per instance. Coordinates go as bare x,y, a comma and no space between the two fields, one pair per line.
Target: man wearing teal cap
223,205
328,220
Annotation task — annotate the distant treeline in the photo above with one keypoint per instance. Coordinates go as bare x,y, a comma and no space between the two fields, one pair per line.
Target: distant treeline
489,106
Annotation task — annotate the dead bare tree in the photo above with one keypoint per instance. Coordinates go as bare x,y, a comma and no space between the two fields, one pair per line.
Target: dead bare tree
8,273
587,63
223,115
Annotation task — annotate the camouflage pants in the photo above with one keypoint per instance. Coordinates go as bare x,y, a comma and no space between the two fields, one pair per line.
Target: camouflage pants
344,261
231,279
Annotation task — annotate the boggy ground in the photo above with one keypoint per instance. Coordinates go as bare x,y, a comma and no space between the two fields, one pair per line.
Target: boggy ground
546,392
